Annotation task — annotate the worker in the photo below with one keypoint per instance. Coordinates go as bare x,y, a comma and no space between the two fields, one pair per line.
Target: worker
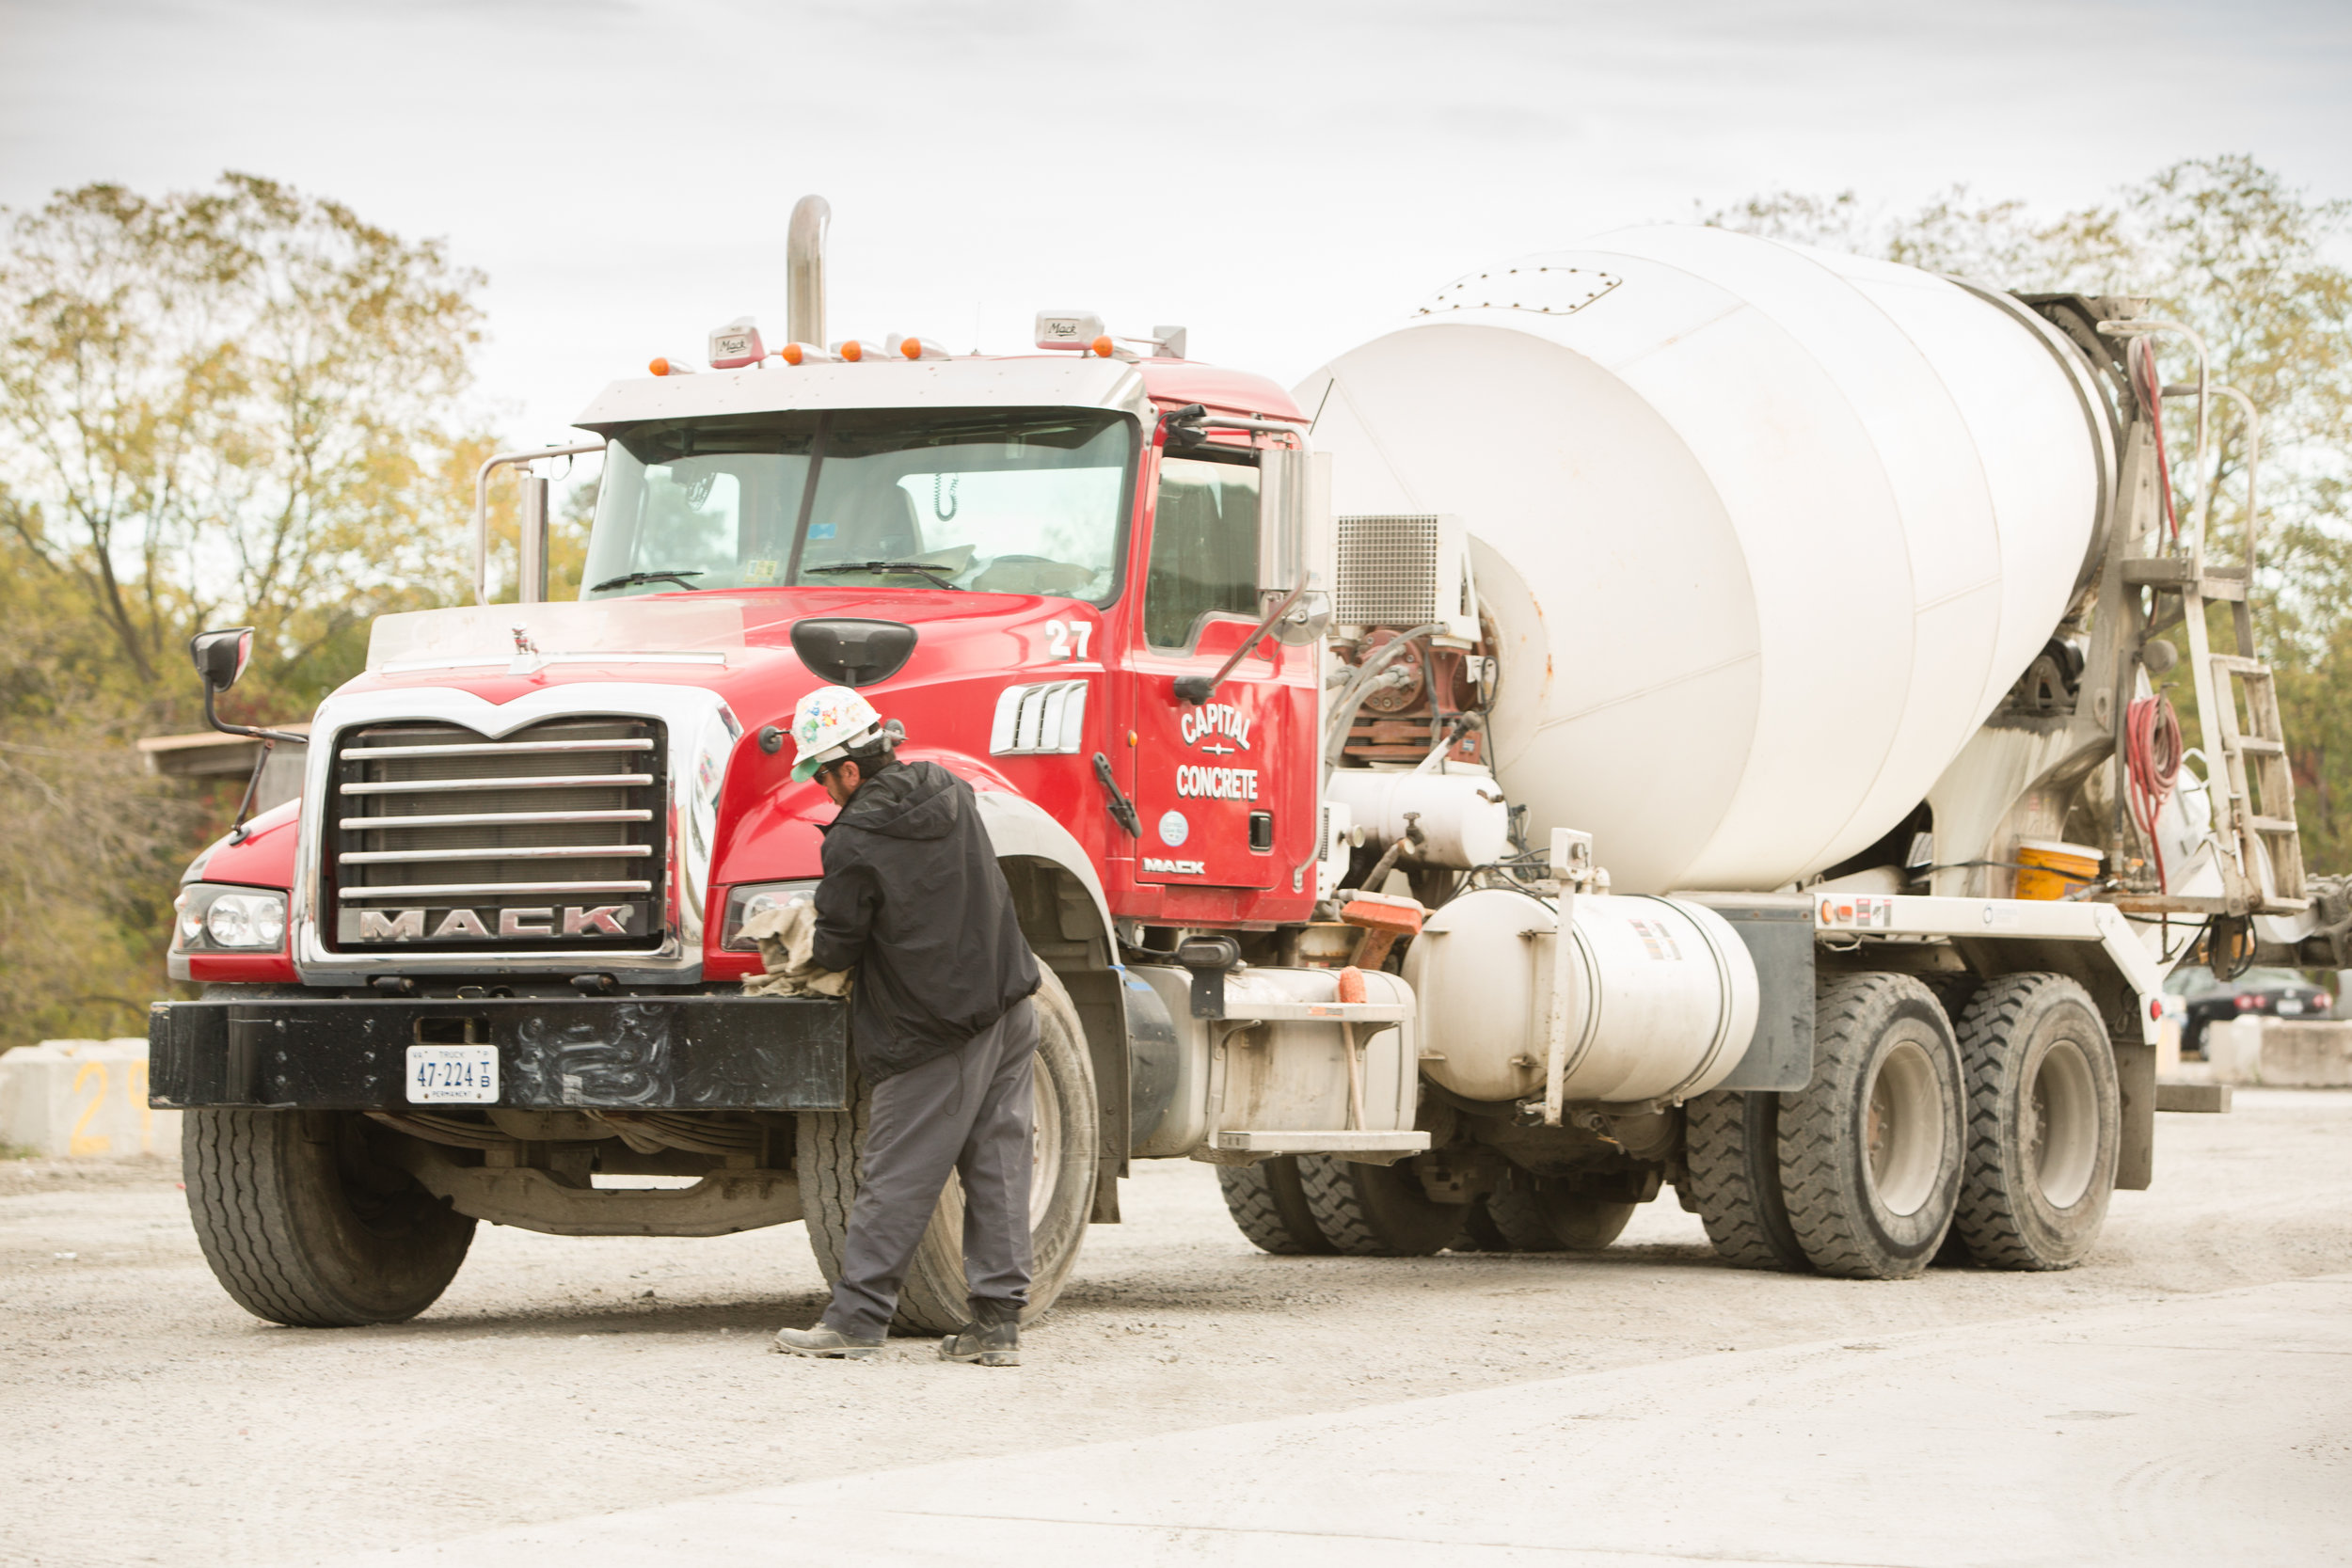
940,1023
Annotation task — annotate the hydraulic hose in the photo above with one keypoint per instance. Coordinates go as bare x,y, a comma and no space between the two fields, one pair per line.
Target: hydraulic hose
2151,762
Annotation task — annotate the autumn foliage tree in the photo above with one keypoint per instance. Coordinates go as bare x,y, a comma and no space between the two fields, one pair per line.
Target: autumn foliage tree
240,406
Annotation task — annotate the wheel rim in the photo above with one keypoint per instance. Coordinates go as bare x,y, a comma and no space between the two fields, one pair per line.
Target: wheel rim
1904,1129
1044,1148
2061,1138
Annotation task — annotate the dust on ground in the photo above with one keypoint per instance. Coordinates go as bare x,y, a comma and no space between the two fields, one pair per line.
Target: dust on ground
144,1418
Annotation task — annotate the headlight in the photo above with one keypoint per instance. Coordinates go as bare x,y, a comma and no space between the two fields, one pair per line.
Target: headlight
216,919
750,899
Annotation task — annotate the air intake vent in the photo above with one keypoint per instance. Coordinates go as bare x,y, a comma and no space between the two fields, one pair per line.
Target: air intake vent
1402,570
442,839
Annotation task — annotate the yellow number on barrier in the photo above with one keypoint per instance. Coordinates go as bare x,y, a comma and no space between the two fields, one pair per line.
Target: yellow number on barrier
136,1089
89,1143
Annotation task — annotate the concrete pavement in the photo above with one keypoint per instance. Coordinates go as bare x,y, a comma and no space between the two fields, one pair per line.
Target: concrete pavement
2197,1428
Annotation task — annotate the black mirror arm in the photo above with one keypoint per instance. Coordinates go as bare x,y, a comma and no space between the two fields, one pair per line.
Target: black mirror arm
217,721
1197,689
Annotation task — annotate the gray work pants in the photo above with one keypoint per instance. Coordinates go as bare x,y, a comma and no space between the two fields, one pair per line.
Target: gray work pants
968,1112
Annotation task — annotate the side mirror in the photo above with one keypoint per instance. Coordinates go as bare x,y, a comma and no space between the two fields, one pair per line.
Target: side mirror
1295,543
221,656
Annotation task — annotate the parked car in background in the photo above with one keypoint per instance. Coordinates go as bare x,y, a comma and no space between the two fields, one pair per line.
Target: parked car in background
2200,1000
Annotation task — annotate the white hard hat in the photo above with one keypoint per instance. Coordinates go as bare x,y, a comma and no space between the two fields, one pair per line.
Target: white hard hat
828,722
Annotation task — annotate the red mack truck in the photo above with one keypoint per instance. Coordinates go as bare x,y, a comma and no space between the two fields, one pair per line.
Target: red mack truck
1681,713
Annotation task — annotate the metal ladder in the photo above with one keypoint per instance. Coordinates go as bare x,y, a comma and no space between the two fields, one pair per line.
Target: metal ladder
2254,821
2254,808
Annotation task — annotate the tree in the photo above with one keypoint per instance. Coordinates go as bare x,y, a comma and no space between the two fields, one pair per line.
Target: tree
2228,248
236,405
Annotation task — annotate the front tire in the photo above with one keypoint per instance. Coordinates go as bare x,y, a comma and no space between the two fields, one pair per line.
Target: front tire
1871,1148
2045,1124
305,1225
934,1298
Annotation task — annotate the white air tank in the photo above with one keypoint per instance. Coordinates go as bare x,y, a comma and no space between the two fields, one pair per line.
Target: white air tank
1766,531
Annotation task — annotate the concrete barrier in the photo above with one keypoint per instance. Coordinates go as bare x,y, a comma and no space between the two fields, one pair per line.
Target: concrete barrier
82,1100
2280,1054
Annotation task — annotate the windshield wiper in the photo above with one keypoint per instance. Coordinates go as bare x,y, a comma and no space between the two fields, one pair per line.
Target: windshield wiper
632,579
931,569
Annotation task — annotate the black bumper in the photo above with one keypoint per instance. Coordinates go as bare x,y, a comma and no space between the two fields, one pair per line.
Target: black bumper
668,1052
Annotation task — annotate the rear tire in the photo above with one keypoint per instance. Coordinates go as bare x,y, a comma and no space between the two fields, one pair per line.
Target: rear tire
1871,1150
1376,1211
936,1298
1536,1213
1731,1146
2045,1124
1269,1204
304,1224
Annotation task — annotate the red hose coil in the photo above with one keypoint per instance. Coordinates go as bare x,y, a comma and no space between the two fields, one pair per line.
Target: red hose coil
2151,762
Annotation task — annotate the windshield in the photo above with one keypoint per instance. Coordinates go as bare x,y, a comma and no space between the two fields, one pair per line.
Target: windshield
997,500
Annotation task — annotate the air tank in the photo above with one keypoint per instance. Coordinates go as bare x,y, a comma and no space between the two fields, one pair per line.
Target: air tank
1764,531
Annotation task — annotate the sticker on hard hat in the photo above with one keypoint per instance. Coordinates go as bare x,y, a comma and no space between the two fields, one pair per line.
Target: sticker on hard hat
1174,830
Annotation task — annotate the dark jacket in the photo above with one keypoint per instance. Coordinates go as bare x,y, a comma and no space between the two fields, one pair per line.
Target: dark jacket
913,901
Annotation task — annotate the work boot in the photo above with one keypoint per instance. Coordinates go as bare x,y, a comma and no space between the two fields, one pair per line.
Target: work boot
985,1343
825,1340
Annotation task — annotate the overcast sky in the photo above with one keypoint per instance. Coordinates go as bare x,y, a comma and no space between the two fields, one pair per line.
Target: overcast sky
1284,179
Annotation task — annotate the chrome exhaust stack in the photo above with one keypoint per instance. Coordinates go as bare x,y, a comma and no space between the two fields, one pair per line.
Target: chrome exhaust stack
805,272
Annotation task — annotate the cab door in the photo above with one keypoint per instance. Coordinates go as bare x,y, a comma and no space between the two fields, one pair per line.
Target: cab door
1220,799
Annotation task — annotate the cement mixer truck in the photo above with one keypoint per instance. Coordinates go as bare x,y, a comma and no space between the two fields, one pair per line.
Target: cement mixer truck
1680,715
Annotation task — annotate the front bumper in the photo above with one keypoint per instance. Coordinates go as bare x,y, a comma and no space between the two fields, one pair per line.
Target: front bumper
628,1052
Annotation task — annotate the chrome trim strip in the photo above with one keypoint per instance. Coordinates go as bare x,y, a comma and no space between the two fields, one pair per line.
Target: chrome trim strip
572,853
475,819
702,731
375,753
551,781
486,889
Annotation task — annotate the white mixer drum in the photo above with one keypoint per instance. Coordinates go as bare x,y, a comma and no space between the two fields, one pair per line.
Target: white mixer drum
1767,531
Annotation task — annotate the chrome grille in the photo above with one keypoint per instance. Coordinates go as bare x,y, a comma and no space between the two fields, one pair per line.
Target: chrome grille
442,839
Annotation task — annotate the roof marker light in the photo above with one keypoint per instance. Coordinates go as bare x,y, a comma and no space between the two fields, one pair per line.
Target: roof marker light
1102,345
670,367
1077,329
802,354
857,349
922,348
736,345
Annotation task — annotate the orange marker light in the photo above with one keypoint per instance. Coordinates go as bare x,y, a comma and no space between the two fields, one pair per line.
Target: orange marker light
790,353
1102,346
911,347
854,350
660,367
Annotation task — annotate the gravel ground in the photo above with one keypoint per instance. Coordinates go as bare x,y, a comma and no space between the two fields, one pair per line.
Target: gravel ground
144,1418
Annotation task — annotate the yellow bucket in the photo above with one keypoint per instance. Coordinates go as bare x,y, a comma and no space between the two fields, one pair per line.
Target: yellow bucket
2049,870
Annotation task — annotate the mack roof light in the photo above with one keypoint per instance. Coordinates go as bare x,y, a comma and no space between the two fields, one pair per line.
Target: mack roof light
736,345
1078,329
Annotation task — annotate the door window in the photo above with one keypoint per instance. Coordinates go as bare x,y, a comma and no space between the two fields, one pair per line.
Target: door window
1204,548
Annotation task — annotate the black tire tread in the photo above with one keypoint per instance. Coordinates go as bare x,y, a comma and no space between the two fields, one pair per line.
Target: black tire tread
1735,1184
1252,1199
1986,1220
1811,1149
239,1169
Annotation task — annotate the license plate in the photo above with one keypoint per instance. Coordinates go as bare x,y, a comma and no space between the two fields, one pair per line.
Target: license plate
2290,1007
453,1074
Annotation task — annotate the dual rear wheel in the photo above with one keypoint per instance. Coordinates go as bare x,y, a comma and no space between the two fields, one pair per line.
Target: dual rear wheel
2003,1131
1308,1204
